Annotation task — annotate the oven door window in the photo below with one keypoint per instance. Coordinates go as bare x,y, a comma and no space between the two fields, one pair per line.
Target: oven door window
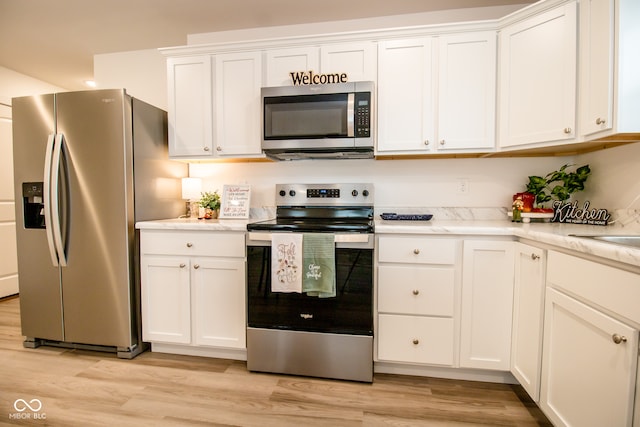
306,116
350,312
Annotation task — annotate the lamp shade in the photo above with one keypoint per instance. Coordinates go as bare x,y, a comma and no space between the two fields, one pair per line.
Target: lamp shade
191,188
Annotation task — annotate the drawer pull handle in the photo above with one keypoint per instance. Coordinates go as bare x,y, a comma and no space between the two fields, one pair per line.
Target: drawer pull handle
415,341
535,257
196,266
618,339
416,251
182,265
416,292
189,244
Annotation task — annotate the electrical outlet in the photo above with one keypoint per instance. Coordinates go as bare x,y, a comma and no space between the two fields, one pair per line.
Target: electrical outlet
463,186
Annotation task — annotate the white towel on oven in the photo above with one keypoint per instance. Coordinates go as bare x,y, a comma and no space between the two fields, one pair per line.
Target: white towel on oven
286,262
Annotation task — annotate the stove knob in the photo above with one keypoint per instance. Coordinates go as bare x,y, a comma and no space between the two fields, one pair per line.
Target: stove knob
354,193
365,193
292,193
282,193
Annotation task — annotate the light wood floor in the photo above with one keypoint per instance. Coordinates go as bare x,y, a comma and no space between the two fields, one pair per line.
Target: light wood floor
97,389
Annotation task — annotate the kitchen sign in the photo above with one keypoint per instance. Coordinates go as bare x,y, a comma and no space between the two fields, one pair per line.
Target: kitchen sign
301,78
235,202
569,212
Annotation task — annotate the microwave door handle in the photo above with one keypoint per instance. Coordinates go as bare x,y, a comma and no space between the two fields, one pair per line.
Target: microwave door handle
350,117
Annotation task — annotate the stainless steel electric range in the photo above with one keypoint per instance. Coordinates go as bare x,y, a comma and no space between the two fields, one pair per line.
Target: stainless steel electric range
302,334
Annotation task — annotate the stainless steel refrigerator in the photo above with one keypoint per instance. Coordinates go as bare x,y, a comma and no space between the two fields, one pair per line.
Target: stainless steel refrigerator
87,166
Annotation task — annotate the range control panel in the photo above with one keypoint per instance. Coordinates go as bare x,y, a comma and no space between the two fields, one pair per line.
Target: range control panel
324,194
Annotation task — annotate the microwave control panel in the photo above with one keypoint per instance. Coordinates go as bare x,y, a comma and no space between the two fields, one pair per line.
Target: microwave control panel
363,114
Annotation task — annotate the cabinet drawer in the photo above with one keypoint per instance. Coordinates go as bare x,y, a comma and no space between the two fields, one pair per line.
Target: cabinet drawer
416,290
200,243
415,339
417,250
609,287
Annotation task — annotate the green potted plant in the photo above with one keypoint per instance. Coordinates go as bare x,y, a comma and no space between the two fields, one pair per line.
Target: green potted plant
557,185
210,201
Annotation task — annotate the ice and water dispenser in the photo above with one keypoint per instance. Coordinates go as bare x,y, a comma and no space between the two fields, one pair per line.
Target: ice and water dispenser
33,204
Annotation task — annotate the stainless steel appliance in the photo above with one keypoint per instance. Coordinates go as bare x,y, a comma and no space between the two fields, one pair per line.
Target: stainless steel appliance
87,166
330,121
295,333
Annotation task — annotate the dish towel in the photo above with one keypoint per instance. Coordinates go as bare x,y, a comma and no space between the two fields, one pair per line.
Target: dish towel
286,262
319,265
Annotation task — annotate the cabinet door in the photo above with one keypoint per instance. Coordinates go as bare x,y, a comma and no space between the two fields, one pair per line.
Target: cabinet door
587,378
219,302
487,302
166,299
190,106
596,65
357,60
238,107
281,62
467,91
528,311
406,96
538,78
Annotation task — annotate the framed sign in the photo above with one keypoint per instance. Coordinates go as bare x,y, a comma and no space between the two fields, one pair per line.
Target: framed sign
235,202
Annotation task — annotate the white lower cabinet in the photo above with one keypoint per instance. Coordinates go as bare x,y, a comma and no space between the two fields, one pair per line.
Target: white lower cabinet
417,288
590,358
487,302
528,313
193,288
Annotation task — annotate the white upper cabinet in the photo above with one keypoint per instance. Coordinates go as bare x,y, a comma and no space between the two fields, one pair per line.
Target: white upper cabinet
406,96
238,79
467,91
281,62
609,67
190,106
437,94
357,60
538,79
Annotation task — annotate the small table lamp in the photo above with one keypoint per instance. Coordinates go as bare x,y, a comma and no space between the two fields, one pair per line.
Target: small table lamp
191,188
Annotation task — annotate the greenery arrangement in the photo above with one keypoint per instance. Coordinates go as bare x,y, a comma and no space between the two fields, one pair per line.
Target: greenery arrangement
210,200
558,185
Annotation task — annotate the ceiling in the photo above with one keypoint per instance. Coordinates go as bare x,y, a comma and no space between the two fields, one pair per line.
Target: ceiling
55,40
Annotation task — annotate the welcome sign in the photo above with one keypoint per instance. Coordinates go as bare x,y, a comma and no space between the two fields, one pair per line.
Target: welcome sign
569,212
301,78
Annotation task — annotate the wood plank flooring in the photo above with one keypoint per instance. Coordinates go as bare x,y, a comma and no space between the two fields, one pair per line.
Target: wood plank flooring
87,388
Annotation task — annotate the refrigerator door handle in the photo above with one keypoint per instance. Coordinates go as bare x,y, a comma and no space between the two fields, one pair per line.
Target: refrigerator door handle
55,200
48,215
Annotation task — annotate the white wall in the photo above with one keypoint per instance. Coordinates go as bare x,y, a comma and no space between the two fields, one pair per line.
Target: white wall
13,84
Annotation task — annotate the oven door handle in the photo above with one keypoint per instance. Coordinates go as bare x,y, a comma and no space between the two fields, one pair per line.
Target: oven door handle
339,238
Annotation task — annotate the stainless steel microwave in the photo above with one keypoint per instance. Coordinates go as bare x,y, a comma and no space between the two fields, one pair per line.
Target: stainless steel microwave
329,121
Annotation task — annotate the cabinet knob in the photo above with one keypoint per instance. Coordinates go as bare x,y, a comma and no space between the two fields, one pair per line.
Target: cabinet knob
196,266
443,142
618,339
206,148
218,148
415,341
183,265
535,257
426,142
567,130
600,121
416,292
189,244
416,251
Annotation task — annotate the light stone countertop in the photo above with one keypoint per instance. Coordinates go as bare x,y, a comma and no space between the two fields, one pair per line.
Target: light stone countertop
194,224
554,234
